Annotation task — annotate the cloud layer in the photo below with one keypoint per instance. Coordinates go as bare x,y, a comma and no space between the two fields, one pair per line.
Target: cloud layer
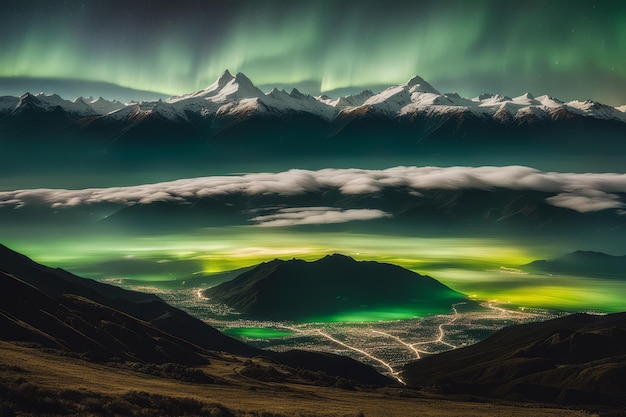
581,192
316,215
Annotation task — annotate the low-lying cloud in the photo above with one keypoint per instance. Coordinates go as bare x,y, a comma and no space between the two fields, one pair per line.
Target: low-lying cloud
580,192
297,216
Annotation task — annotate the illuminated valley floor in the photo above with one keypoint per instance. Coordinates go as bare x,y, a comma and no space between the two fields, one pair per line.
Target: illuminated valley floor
386,345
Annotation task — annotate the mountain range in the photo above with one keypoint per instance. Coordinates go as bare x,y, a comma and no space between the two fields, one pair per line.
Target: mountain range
236,96
232,118
333,285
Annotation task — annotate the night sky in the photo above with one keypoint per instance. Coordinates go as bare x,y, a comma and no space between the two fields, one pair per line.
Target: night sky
567,49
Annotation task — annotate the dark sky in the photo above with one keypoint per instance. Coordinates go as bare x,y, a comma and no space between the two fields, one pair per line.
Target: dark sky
567,49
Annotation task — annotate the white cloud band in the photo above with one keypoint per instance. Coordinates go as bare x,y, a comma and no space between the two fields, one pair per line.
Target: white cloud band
580,192
316,215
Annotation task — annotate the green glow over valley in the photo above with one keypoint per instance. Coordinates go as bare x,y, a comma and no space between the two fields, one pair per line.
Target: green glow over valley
486,269
258,332
378,314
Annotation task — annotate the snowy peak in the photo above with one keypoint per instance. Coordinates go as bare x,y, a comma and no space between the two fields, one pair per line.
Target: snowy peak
208,92
242,80
347,101
238,88
279,101
489,99
220,83
418,85
224,79
102,106
405,98
526,99
595,109
28,102
49,103
548,101
226,87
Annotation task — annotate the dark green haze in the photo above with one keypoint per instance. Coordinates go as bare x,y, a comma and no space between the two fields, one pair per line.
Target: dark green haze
568,49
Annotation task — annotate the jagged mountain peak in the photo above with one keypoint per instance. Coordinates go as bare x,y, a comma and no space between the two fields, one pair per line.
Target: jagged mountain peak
418,84
220,83
28,96
295,93
238,88
241,78
526,98
225,78
485,96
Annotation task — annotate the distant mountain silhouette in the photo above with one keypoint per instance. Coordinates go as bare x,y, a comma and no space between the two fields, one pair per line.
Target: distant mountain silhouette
56,309
595,264
578,359
296,289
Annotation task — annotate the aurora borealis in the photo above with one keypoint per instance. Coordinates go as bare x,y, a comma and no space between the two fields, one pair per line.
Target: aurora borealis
569,49
175,189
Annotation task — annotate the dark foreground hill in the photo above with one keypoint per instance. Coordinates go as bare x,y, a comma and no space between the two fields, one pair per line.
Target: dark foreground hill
578,359
595,264
335,284
36,383
55,309
59,310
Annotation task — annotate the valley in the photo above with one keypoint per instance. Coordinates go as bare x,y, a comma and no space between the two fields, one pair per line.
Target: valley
385,343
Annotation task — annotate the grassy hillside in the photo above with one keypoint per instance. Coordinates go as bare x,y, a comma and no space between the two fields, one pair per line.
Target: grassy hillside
33,381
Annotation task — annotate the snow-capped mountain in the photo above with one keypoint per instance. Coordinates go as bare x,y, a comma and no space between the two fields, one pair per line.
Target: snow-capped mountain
237,95
102,106
226,88
232,105
81,107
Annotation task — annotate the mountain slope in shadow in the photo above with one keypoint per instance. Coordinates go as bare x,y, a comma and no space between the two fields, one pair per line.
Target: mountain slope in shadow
335,284
55,309
60,310
577,359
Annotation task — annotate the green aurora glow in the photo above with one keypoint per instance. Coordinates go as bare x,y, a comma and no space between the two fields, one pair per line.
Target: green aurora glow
568,49
472,266
257,332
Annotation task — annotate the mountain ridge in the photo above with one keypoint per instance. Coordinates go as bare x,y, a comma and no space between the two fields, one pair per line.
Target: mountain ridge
403,123
334,285
415,95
